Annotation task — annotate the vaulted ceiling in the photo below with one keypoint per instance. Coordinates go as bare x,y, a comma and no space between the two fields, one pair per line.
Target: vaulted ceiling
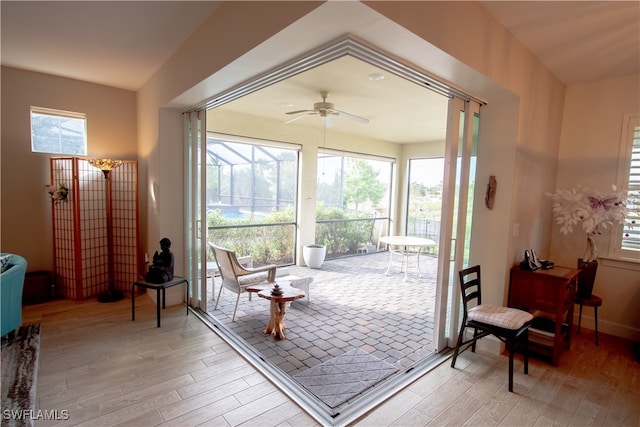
122,44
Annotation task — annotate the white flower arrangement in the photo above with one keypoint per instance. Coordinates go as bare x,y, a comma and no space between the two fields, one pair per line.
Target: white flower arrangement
58,192
593,211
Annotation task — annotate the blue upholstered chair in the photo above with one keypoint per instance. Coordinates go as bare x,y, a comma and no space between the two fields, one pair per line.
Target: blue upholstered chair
11,285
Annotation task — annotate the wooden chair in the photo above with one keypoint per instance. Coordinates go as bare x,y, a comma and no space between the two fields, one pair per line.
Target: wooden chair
510,325
237,278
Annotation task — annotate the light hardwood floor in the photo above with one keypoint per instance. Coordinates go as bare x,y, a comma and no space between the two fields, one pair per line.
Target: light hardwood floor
107,370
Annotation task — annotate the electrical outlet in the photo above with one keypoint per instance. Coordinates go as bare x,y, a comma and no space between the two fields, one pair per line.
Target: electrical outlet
516,230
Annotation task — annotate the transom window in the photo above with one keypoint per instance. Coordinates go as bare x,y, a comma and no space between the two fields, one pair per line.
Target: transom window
58,132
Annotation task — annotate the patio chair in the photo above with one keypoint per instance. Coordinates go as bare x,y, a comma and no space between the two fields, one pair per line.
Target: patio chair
510,325
237,278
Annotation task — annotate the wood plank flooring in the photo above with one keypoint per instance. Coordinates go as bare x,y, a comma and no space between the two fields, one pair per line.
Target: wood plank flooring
106,370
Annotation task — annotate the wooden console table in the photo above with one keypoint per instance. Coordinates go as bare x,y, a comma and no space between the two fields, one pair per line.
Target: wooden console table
549,295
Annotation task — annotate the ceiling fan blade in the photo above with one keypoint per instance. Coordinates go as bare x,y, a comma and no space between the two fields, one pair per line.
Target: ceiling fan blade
300,111
352,116
299,117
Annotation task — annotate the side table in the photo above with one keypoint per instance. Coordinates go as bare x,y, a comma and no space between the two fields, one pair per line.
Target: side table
158,287
275,324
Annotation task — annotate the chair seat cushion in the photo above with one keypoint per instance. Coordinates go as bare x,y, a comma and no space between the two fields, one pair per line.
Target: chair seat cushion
503,317
250,279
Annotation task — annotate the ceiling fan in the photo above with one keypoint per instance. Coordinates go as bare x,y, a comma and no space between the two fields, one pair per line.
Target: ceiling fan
325,109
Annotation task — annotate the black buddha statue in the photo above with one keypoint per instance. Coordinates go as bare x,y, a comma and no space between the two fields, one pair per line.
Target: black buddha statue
162,268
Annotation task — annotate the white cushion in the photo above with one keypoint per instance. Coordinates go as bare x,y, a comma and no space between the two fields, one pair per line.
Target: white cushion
503,317
250,279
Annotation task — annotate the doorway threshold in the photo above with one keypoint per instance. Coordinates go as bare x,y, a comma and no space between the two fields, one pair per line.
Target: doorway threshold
345,414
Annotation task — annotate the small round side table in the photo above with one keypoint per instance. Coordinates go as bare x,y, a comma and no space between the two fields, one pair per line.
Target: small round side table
593,301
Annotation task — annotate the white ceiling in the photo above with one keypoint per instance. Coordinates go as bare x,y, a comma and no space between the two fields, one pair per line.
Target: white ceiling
114,43
577,41
123,43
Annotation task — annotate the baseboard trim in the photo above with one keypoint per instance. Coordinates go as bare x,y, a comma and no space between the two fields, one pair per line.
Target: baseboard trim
605,326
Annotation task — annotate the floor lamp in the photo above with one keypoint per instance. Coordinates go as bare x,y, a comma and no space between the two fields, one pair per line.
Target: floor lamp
106,166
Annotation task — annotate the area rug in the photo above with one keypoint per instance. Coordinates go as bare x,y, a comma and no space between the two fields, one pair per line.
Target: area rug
20,353
341,378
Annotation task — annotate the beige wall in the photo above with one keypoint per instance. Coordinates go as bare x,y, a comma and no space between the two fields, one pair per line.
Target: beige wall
588,157
26,207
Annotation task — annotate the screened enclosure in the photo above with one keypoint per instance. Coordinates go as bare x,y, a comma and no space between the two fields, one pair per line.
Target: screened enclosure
251,199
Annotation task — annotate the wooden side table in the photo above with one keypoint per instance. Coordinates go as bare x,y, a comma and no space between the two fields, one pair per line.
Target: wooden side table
549,295
158,287
275,324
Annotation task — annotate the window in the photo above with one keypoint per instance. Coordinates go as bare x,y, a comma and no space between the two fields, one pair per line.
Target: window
251,197
627,243
424,207
59,132
353,201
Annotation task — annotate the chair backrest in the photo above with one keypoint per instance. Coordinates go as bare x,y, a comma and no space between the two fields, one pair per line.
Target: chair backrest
470,286
227,262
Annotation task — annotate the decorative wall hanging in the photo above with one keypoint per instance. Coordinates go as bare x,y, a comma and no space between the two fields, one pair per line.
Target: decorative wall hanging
491,192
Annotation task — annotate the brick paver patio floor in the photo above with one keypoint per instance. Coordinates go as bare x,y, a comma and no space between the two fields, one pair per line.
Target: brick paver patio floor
353,305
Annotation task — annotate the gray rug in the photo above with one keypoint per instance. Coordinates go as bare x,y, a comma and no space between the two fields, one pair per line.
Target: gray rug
20,352
341,378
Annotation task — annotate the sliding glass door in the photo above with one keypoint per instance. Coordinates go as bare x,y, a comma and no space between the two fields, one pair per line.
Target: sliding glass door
456,215
194,190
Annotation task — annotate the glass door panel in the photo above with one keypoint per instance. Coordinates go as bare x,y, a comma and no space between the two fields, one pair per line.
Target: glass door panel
195,210
457,206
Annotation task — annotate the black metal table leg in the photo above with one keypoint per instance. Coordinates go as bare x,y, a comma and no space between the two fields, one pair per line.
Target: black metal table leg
158,305
158,287
133,302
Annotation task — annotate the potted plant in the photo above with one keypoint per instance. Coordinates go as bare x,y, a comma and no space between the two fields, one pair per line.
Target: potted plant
592,211
314,255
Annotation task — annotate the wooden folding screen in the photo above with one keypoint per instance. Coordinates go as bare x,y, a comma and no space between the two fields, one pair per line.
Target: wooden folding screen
80,228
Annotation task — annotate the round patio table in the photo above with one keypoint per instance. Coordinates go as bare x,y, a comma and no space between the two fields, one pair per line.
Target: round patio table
403,246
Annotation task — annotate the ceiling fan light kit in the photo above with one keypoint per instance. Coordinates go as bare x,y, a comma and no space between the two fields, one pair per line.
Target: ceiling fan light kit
325,109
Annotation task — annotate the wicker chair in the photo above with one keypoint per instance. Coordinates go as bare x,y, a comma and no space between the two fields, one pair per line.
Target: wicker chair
237,278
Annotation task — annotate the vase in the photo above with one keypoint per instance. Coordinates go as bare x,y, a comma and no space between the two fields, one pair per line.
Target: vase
587,277
591,251
314,255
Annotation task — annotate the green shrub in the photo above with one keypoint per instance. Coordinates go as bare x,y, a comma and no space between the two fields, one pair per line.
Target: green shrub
273,244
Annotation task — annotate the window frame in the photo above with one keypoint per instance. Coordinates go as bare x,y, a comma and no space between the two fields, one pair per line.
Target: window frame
381,223
63,114
629,123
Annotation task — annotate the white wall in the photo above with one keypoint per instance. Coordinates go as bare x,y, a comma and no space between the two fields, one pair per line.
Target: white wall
588,157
